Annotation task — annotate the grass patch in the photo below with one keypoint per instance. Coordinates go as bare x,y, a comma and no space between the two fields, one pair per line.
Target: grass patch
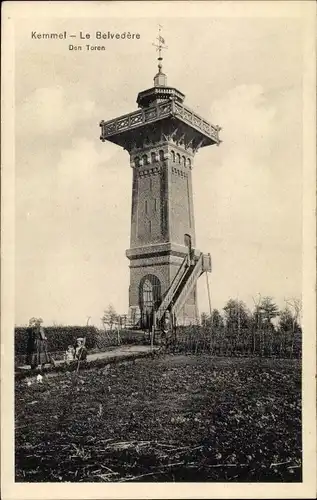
172,418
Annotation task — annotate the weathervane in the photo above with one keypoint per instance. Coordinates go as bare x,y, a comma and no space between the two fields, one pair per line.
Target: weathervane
159,46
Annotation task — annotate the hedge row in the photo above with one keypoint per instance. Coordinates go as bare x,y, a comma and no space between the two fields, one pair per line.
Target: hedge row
58,337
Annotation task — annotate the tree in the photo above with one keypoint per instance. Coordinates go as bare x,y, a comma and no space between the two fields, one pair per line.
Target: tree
286,323
215,320
295,306
110,317
269,309
265,310
237,316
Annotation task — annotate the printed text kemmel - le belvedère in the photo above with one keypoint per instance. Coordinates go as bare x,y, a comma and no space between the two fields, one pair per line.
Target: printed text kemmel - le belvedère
83,35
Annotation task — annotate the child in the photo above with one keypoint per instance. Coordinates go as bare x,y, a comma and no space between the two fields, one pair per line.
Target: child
81,351
69,354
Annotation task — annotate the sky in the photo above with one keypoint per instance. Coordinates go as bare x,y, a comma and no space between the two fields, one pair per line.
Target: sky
73,192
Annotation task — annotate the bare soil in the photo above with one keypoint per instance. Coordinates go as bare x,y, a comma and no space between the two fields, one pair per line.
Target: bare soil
173,418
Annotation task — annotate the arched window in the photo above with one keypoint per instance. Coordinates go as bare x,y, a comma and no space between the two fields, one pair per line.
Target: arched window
161,155
150,291
137,161
145,159
184,161
178,158
153,157
147,294
189,163
173,156
149,299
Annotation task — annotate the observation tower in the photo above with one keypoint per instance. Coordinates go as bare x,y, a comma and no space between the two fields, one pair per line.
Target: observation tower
162,137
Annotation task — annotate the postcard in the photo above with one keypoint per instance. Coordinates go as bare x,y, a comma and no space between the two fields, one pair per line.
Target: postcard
158,250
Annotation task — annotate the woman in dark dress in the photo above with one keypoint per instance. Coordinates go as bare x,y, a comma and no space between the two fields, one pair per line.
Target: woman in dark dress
37,354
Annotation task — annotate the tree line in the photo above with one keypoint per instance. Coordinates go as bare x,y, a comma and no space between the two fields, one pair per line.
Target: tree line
238,319
263,331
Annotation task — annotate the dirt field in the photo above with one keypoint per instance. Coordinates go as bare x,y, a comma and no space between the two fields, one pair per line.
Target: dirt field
174,418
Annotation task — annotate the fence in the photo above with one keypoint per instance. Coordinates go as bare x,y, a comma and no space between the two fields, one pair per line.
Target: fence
197,340
188,340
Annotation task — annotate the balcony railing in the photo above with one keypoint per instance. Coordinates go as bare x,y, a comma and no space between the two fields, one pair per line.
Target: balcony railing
195,120
154,113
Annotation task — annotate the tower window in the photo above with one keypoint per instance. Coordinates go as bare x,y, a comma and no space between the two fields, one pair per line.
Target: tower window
153,158
145,206
155,207
173,156
189,163
150,227
137,161
149,298
178,158
161,155
184,161
147,294
145,159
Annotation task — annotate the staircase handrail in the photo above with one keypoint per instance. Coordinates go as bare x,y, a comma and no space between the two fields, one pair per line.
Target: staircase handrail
172,289
190,283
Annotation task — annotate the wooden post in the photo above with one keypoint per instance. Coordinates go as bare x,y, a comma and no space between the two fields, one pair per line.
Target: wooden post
174,332
152,338
118,335
210,314
153,330
208,290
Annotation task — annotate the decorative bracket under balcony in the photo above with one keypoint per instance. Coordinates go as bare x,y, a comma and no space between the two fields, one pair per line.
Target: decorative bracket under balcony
121,129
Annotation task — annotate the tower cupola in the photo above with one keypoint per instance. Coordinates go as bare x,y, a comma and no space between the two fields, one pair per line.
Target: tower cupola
160,79
160,92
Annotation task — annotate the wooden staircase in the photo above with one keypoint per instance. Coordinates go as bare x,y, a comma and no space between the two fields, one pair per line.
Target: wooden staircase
183,284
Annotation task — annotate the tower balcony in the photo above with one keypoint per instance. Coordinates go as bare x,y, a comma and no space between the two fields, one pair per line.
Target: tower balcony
122,130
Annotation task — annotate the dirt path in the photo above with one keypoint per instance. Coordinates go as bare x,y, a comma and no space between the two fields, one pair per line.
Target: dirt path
121,351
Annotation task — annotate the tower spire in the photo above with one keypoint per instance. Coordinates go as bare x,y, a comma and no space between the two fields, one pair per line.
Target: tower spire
160,78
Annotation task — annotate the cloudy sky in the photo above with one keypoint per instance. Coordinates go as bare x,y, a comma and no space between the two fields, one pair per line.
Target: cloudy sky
73,192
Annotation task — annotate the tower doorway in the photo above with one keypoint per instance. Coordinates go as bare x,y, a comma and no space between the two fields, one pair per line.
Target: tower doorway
150,298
